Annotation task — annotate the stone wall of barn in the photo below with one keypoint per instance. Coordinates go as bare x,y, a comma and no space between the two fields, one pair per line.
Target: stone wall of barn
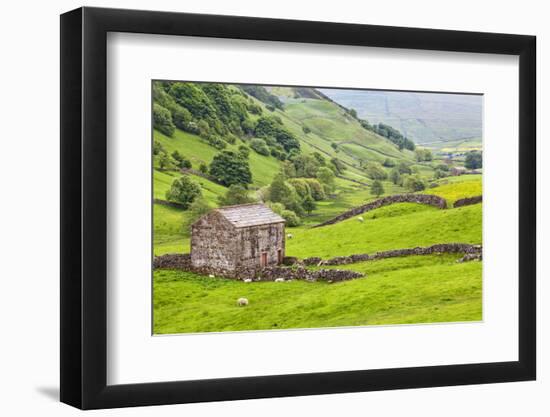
253,241
214,246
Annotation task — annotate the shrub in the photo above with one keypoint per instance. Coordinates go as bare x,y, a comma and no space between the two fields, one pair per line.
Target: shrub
474,160
203,168
162,120
259,146
183,191
244,151
308,203
301,186
158,148
306,129
316,189
375,171
236,194
395,176
388,163
292,219
197,209
377,188
414,183
404,168
326,177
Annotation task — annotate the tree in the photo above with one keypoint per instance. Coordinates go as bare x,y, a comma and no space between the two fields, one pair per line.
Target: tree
423,155
162,120
203,168
395,176
414,183
474,160
375,171
230,168
244,151
353,113
377,188
236,194
158,148
183,191
165,161
317,191
308,203
282,192
326,177
404,168
306,166
181,161
306,129
197,209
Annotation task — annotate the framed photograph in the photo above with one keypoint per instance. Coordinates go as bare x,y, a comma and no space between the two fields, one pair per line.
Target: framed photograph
260,208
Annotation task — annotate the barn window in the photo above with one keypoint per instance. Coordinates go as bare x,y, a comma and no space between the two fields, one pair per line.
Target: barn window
263,259
279,256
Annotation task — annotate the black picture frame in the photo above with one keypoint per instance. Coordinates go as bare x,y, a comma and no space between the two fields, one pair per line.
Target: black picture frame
84,207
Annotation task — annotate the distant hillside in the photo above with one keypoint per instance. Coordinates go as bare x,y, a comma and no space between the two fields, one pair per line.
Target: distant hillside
426,118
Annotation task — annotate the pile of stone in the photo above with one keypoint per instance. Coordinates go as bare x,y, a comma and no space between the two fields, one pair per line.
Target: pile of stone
431,200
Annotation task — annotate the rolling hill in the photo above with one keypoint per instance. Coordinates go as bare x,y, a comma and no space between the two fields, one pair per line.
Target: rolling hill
429,119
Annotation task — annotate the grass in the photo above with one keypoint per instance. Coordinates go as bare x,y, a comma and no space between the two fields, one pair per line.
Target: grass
416,289
469,187
380,232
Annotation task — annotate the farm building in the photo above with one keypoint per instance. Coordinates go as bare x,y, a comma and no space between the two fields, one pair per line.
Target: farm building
237,241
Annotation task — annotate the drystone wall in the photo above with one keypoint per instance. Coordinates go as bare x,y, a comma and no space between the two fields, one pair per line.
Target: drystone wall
438,248
428,199
271,273
468,201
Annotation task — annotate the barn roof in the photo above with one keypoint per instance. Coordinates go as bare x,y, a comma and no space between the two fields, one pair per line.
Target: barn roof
246,215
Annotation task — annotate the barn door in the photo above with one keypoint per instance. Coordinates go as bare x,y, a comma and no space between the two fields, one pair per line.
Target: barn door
263,259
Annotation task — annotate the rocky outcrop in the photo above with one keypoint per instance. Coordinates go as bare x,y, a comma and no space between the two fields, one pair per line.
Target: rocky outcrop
468,201
431,200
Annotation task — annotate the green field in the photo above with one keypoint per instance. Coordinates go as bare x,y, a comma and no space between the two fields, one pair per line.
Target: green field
414,289
421,289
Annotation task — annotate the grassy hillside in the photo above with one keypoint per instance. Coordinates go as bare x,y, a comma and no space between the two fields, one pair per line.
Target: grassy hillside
380,231
424,117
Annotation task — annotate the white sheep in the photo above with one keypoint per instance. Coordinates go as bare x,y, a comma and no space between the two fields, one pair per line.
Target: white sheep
289,236
211,276
241,302
279,280
361,219
247,280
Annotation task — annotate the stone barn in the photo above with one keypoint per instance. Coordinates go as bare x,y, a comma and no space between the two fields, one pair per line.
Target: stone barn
237,241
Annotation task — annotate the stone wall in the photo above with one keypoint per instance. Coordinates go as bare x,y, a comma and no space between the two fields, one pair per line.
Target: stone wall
468,201
428,199
173,261
300,273
438,248
271,273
